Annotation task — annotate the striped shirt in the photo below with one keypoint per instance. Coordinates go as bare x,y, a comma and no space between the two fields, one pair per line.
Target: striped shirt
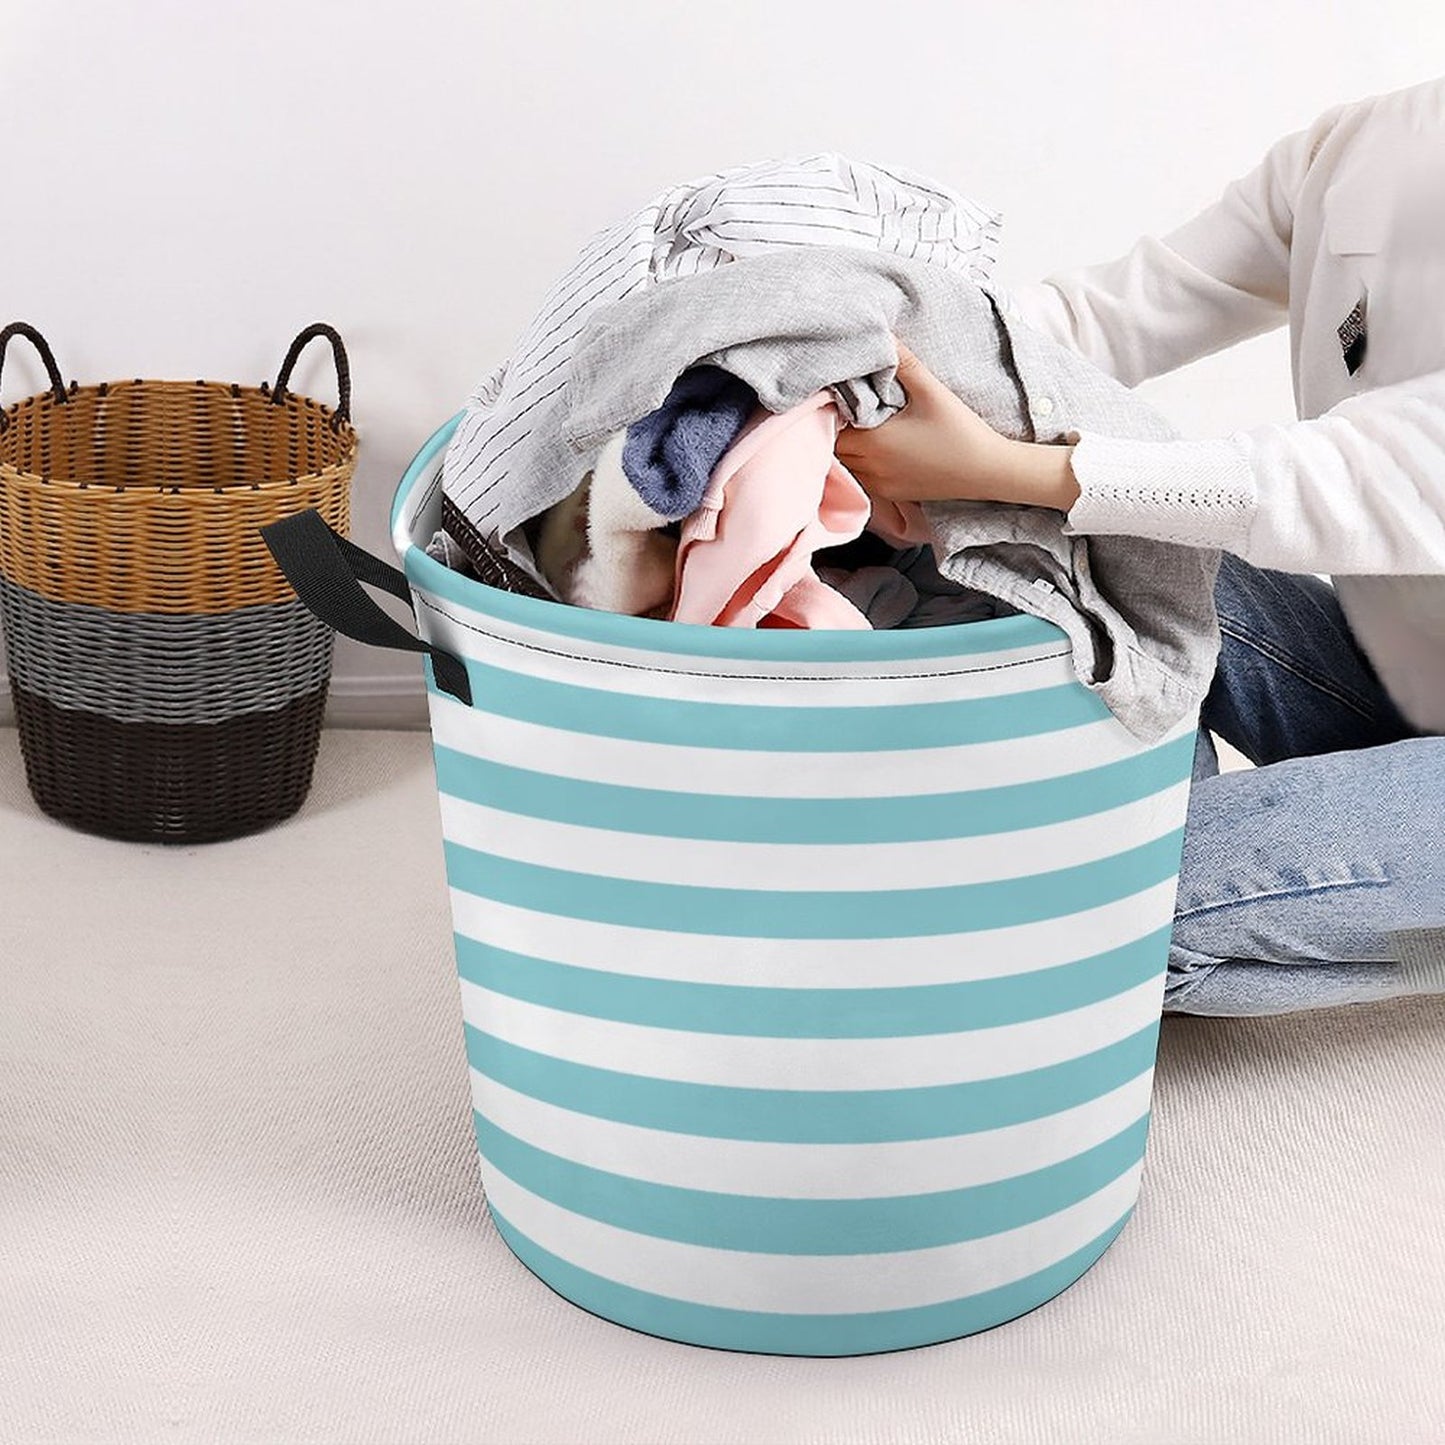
821,200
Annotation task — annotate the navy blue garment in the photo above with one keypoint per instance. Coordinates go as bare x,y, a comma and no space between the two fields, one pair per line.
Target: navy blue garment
670,453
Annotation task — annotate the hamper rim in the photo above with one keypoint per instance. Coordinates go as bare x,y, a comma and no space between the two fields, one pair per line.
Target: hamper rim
658,634
292,402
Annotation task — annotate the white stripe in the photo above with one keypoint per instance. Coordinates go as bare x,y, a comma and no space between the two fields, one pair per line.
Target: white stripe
635,672
742,772
811,1171
823,867
813,1283
816,962
740,1062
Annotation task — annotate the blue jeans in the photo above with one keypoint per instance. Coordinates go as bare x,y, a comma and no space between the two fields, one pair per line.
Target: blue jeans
1297,873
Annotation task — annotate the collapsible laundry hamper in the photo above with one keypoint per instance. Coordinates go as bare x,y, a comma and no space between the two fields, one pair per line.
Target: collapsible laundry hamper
811,980
167,684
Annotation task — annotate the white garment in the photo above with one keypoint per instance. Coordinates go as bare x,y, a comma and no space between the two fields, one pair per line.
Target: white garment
824,199
628,564
1351,206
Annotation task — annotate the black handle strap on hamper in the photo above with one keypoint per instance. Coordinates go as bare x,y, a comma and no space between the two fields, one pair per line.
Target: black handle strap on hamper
25,329
328,571
343,370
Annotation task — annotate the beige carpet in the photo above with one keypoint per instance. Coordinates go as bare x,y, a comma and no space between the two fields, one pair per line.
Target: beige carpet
238,1195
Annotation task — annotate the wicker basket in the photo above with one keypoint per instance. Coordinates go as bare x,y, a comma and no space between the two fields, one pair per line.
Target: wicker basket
168,686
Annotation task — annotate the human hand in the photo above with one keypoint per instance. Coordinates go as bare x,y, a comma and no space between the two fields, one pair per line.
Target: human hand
937,448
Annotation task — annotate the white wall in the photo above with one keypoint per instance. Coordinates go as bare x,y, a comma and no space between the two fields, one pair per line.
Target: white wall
187,184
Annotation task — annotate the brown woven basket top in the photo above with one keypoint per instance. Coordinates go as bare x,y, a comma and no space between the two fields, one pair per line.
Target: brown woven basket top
163,435
146,496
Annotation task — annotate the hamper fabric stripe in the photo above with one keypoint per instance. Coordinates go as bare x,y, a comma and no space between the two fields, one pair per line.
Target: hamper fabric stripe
886,1225
892,913
817,1171
761,1062
838,1333
832,866
816,1283
671,813
811,963
775,728
765,962
688,768
829,1116
878,1011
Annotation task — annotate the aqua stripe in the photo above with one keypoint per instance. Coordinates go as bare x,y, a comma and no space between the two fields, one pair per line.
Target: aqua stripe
648,634
795,1334
883,1225
754,727
761,913
741,644
659,813
814,1013
813,1116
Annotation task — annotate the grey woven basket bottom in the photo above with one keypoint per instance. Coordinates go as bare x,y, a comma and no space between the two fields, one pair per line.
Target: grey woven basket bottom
148,667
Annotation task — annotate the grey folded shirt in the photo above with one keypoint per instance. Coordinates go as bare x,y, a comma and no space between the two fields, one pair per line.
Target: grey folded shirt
908,591
1139,613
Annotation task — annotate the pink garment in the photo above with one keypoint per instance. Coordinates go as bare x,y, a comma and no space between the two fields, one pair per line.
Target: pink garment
777,495
900,523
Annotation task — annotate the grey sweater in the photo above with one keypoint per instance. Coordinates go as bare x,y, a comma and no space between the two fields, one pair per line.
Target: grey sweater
1139,613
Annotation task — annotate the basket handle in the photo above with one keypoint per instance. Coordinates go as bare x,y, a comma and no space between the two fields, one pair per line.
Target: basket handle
25,329
327,572
343,369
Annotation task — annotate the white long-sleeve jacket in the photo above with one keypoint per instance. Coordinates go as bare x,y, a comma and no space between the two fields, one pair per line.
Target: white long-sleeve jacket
1349,210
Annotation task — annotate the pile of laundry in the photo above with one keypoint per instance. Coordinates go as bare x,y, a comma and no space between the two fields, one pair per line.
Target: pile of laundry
661,442
714,510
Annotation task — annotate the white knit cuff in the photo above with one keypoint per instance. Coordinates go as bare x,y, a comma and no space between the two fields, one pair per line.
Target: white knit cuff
1196,493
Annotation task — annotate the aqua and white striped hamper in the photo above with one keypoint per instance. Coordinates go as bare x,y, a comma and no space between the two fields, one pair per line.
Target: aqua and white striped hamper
811,981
